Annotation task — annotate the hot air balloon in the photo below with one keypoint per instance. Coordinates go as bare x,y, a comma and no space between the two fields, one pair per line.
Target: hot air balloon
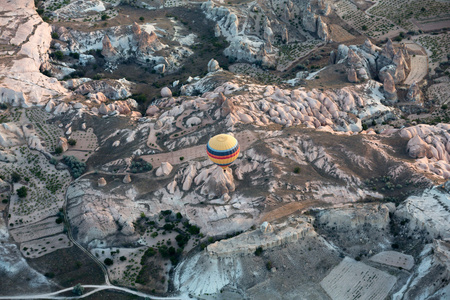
223,149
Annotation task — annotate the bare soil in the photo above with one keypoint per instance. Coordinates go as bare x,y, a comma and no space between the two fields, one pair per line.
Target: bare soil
68,267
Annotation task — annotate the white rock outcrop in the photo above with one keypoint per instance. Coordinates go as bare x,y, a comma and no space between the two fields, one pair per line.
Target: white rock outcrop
101,182
213,65
166,92
164,169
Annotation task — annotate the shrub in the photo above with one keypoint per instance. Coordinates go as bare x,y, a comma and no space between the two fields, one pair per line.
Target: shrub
140,98
182,158
166,212
76,167
123,258
58,150
108,261
105,17
182,240
269,265
297,170
55,35
179,216
141,19
78,290
22,192
140,165
59,55
75,55
258,251
15,177
168,226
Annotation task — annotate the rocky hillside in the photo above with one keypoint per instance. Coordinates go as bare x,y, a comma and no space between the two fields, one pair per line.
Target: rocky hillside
341,188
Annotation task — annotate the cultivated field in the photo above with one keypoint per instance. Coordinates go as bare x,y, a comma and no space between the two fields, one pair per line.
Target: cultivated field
355,280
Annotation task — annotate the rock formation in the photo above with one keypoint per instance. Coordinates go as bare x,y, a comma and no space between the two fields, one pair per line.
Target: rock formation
414,93
127,179
112,89
152,110
108,50
352,76
266,228
101,182
390,91
219,182
213,65
164,169
22,83
166,92
357,69
417,148
63,144
322,30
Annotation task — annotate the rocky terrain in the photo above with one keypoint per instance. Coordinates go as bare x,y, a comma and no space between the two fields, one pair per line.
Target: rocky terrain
341,188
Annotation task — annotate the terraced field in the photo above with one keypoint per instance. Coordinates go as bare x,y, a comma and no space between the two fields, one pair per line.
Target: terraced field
403,12
374,26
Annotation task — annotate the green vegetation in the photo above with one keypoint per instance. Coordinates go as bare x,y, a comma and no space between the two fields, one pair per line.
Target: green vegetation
59,55
76,167
55,35
22,192
297,170
139,165
78,290
15,177
108,261
72,142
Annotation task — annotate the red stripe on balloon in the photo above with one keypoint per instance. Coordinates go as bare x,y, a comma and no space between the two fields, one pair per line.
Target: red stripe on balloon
224,157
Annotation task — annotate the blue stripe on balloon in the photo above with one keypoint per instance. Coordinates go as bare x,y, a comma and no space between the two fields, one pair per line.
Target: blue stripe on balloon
222,152
235,145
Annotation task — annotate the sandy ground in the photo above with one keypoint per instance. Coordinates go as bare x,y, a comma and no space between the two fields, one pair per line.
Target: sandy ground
285,210
86,144
419,69
245,138
419,64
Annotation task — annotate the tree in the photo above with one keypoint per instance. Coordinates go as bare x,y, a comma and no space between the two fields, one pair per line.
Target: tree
78,289
22,192
123,258
142,19
72,142
108,261
15,177
55,35
364,27
59,55
58,150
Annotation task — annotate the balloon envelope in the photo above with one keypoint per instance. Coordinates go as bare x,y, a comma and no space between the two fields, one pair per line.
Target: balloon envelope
222,150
